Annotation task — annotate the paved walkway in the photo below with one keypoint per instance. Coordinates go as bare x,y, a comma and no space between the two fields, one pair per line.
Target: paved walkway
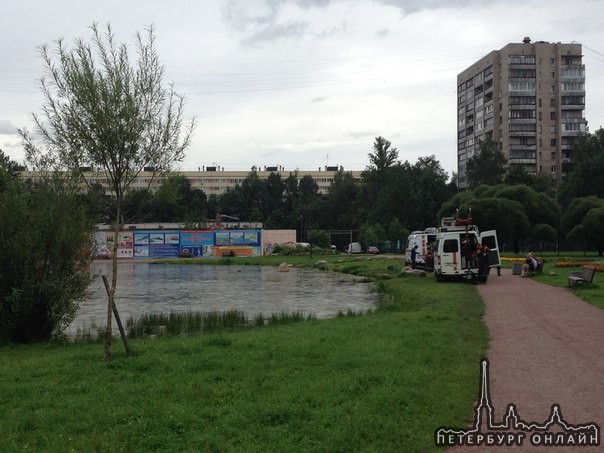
547,346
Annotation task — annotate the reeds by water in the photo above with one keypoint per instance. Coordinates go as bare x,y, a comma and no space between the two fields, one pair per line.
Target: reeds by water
190,323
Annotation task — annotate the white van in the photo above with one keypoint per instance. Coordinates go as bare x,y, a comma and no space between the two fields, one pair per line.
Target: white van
354,247
456,243
423,239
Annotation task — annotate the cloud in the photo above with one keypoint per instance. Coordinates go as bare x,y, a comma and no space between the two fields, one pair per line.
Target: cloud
383,33
7,128
277,32
414,6
320,99
263,20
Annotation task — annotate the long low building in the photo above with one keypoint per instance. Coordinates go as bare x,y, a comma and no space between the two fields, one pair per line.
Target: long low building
216,180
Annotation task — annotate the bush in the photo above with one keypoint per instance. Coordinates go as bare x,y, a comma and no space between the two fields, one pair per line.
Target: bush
44,260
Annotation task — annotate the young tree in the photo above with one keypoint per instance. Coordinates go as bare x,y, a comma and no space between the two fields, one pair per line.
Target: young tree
103,111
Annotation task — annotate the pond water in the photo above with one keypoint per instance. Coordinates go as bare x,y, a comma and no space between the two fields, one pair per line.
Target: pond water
162,288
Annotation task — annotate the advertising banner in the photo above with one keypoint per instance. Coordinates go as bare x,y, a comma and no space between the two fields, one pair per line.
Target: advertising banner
157,244
195,243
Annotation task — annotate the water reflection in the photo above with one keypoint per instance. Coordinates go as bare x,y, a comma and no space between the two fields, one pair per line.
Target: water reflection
161,288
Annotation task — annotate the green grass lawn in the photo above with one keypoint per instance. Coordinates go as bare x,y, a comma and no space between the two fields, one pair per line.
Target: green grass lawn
558,276
379,382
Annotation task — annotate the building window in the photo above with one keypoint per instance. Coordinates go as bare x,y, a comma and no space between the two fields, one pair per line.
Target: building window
573,100
573,86
552,102
552,129
552,116
574,126
522,59
522,73
521,100
522,127
522,86
553,143
523,114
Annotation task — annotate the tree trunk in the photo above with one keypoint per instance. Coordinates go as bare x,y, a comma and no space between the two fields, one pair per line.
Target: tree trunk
111,294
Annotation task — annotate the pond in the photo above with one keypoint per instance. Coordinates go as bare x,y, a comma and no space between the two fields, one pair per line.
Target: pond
162,288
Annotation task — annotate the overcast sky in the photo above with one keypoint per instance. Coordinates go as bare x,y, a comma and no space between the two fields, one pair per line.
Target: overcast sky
303,83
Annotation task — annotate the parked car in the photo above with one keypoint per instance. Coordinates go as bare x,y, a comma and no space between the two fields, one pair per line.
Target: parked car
373,249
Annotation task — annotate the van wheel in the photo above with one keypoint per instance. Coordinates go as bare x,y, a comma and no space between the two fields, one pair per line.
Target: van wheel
439,277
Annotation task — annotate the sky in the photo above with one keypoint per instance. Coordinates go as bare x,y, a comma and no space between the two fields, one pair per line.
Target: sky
302,84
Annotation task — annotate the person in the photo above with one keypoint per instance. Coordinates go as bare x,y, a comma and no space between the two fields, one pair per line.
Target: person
468,252
530,265
413,256
429,259
482,255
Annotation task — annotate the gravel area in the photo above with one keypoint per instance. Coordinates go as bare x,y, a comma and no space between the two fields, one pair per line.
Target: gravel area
546,347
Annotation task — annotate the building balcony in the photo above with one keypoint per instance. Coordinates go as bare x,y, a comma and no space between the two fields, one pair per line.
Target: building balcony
572,107
522,66
522,92
522,120
522,134
523,148
519,160
571,133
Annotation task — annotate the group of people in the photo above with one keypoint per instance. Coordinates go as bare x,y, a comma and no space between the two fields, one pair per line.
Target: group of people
428,257
477,256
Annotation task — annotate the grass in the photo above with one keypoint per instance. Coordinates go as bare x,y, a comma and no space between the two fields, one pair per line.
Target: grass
558,276
378,382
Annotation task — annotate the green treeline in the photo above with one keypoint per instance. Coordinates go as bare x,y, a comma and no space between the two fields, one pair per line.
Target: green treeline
395,197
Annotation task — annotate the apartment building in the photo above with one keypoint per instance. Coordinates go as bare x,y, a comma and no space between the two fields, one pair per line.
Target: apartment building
529,98
214,179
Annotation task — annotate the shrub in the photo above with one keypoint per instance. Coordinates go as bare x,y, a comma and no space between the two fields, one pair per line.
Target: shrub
45,239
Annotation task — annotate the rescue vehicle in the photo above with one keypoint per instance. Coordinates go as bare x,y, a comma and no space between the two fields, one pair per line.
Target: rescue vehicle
424,239
454,252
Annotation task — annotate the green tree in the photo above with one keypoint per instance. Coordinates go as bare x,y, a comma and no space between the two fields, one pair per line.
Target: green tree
576,212
586,172
8,171
487,166
318,238
593,224
543,232
45,234
397,234
103,111
337,212
383,156
508,217
274,208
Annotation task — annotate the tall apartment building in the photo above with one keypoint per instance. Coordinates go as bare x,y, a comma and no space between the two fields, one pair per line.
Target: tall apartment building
527,97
